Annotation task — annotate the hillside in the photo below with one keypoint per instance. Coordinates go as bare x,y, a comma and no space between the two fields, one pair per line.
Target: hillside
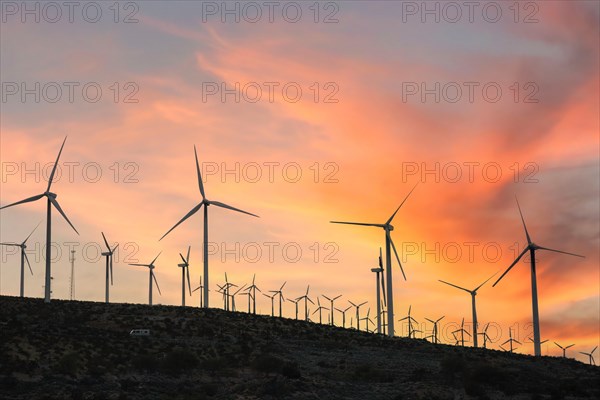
83,350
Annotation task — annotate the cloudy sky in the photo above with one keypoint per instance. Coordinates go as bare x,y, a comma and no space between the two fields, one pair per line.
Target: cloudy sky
304,113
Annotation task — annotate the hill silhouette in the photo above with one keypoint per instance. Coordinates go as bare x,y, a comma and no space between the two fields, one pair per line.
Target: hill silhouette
83,350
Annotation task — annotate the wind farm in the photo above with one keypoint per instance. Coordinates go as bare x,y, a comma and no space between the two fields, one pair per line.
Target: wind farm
299,200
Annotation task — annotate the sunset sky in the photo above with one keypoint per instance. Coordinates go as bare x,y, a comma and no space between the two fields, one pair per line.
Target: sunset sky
475,107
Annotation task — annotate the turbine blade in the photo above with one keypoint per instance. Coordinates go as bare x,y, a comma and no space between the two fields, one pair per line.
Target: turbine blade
105,241
26,239
200,184
152,263
486,281
55,165
29,265
394,214
560,251
57,206
155,281
113,250
192,212
523,220
512,265
182,258
10,244
396,253
223,205
356,223
383,287
453,285
139,265
187,258
27,200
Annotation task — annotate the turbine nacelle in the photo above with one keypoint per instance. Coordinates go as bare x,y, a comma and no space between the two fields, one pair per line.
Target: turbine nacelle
50,195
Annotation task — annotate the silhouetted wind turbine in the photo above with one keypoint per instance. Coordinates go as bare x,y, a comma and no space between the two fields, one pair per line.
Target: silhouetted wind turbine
388,228
233,297
51,201
410,320
473,293
24,258
564,349
379,286
205,202
200,286
109,266
306,300
332,307
358,312
462,333
435,332
319,310
272,297
252,290
344,315
510,341
296,301
485,336
542,342
368,320
151,277
590,355
532,248
280,294
185,273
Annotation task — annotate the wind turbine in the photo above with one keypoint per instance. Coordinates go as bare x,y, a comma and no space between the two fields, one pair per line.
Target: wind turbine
358,312
252,290
434,333
379,286
564,349
205,202
201,290
542,342
24,258
473,293
272,297
306,300
51,201
109,265
233,297
462,333
332,307
388,228
320,310
151,277
295,301
591,357
344,315
226,296
410,320
368,320
485,336
280,294
532,248
185,272
510,341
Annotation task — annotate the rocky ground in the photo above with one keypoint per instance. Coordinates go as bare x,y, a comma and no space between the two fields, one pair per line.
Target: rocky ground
83,350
